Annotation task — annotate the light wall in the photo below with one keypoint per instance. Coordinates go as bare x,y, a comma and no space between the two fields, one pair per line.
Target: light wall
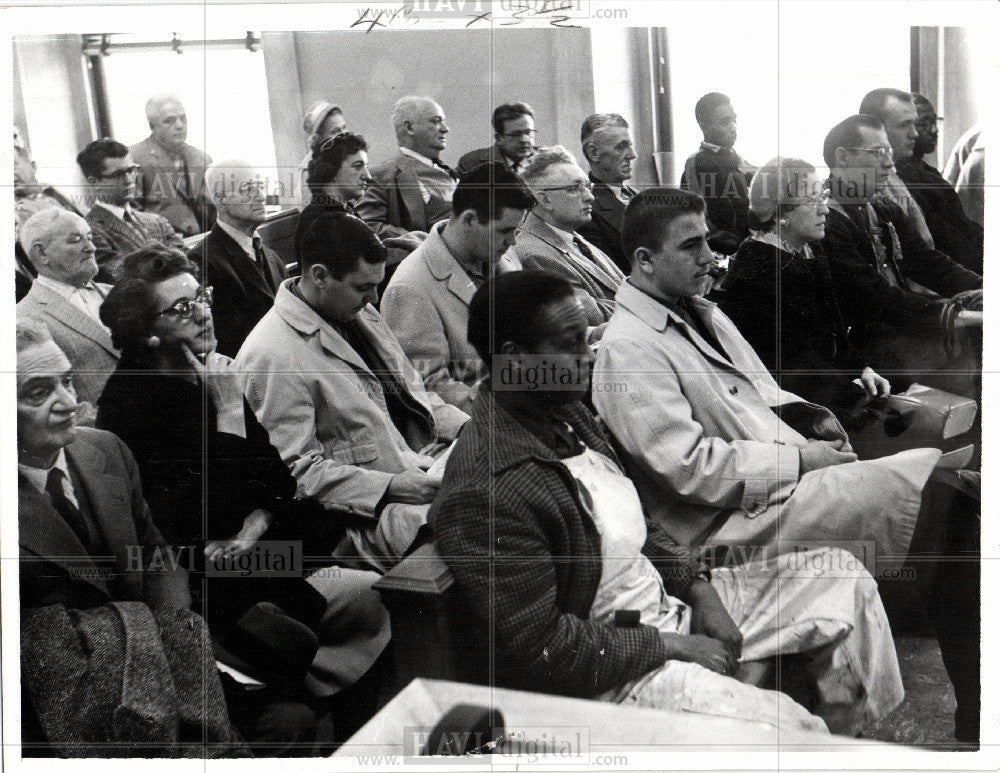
56,115
469,72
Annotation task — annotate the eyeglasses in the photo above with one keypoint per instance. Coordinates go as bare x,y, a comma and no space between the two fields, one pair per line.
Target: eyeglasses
125,171
821,198
185,308
577,189
883,153
530,133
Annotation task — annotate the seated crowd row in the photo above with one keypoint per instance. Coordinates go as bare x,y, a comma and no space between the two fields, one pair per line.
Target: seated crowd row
646,557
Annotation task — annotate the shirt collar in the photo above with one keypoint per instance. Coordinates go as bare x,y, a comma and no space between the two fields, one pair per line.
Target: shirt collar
64,289
115,210
566,236
39,477
245,242
653,312
419,157
710,146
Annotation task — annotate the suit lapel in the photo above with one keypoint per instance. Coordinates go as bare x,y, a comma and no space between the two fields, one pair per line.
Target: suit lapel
42,532
409,190
66,313
125,237
106,494
242,267
444,268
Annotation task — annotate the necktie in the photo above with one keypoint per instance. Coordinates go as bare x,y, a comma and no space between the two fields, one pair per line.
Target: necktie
69,512
133,222
260,257
445,167
580,245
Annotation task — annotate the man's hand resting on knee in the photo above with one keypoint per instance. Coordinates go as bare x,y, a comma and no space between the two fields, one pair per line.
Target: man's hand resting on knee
710,618
703,650
818,454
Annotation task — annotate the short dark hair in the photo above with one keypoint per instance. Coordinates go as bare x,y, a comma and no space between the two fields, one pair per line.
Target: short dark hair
489,189
847,134
510,112
339,241
507,308
91,158
875,101
327,160
649,214
130,309
708,104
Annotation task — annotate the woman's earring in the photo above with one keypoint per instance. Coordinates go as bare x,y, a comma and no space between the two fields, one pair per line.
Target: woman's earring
783,222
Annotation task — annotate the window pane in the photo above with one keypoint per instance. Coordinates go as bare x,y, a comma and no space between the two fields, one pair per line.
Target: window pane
224,93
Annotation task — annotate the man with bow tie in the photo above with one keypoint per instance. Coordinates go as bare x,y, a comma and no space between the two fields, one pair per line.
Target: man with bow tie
243,272
413,190
608,148
66,297
118,228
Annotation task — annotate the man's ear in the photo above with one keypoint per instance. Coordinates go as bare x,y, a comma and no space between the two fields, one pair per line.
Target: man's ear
840,156
317,273
468,218
640,258
588,149
91,179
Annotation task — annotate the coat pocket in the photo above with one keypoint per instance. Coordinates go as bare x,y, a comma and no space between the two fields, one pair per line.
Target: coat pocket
359,453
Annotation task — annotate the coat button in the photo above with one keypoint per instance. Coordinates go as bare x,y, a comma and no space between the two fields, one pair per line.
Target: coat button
733,390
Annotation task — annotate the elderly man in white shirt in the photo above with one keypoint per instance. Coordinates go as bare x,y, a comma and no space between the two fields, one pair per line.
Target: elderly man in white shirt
66,297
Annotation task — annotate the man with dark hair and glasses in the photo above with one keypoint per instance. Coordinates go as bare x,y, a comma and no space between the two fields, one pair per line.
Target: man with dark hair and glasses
514,131
118,227
955,234
549,239
881,267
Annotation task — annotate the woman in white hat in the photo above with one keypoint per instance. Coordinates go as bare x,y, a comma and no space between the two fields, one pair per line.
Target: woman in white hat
321,122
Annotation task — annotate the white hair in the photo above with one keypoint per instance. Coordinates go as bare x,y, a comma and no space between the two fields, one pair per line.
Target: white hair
408,109
224,178
38,228
156,102
543,161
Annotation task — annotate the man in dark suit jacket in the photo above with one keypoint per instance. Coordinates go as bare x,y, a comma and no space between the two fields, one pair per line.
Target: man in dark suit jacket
243,272
173,172
116,226
413,190
607,146
514,130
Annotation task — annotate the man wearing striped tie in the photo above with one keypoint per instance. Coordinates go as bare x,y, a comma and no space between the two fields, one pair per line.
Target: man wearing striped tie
118,227
608,148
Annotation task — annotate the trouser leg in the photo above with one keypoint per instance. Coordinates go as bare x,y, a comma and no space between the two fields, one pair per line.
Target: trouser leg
945,555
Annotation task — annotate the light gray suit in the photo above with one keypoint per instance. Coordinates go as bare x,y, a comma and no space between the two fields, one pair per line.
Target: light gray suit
84,340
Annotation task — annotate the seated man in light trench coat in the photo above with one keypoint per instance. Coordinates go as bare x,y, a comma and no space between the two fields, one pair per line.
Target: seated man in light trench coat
724,458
